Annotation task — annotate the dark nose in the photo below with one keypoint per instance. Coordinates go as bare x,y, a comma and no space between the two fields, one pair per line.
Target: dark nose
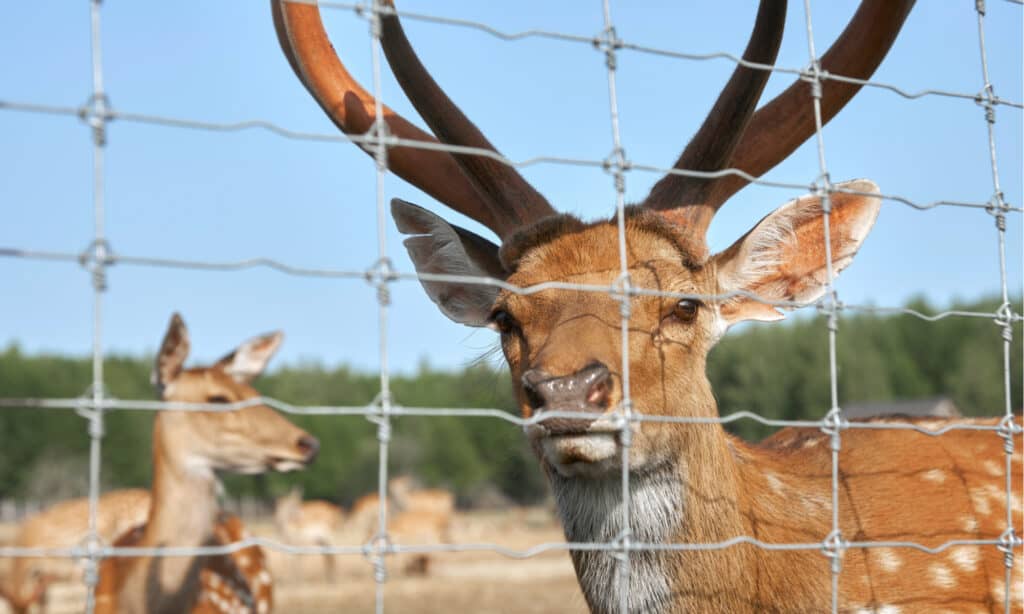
587,390
308,445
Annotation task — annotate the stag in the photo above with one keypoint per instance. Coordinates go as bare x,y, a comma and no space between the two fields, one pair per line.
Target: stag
691,483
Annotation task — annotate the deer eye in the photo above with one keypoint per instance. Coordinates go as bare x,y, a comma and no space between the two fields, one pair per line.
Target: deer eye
502,321
686,310
217,398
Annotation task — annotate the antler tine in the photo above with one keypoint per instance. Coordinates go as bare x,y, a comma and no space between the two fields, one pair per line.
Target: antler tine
516,202
712,147
784,123
309,52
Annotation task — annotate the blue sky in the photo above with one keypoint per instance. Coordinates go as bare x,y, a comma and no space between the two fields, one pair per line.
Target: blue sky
199,195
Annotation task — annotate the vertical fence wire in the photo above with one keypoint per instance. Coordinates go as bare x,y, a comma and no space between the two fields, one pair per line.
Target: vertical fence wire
380,275
998,208
834,418
94,414
617,164
99,256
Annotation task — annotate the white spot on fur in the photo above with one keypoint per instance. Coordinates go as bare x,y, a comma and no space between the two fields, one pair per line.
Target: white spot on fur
888,559
934,475
774,482
889,609
263,607
980,500
941,576
993,468
969,524
966,558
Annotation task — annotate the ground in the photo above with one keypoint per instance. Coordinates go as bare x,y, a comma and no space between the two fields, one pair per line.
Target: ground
456,582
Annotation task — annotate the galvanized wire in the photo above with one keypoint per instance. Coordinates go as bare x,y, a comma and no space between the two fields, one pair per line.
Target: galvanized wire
98,112
371,139
1009,536
94,414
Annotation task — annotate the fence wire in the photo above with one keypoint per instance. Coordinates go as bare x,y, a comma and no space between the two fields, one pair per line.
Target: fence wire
98,256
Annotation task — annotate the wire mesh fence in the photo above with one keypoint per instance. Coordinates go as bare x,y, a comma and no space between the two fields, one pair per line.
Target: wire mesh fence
380,274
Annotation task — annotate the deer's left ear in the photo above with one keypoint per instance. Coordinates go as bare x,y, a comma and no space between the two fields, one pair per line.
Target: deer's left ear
251,358
783,257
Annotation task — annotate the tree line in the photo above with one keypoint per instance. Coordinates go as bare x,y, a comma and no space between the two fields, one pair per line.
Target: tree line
776,370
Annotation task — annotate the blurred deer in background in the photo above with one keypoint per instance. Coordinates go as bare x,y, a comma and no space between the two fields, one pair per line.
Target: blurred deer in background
65,525
189,447
690,483
309,523
415,516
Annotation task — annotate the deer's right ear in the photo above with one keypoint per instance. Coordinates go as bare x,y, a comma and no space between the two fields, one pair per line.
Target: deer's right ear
172,354
437,247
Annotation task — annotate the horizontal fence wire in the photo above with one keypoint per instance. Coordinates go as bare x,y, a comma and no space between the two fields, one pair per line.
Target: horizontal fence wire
99,256
370,138
372,274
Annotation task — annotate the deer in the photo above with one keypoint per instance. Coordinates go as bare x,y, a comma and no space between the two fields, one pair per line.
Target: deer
189,448
692,484
64,525
415,515
309,523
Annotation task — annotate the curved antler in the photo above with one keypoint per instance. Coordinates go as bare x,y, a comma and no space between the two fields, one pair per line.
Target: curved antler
516,202
712,147
484,189
310,54
784,123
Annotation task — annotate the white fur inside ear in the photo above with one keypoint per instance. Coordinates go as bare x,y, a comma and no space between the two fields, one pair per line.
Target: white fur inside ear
251,358
783,258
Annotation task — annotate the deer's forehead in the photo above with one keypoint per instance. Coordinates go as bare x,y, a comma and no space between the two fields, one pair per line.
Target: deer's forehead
592,256
196,385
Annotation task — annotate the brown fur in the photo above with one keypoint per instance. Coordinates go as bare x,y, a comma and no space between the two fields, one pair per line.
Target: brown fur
188,446
64,525
894,485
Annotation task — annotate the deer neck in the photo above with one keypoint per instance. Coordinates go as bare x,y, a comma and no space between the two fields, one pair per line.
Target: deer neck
711,490
183,513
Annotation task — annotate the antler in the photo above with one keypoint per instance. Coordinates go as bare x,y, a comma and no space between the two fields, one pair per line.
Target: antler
484,189
712,147
783,124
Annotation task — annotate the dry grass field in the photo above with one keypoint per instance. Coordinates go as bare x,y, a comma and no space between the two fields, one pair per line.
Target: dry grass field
455,582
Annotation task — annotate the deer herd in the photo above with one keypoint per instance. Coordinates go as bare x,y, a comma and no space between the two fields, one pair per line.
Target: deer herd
692,484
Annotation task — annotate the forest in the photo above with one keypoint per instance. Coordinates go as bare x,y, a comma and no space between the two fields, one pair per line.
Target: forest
776,370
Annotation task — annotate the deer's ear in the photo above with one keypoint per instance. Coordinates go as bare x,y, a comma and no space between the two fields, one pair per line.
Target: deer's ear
783,257
250,359
172,354
437,247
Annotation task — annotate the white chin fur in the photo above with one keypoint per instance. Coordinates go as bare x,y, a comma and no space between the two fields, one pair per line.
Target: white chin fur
589,455
287,465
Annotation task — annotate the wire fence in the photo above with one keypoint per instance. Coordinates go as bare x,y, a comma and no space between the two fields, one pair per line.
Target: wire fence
97,113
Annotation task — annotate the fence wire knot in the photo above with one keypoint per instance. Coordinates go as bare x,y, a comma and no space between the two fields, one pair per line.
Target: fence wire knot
609,42
375,551
814,75
623,421
1004,320
834,547
1008,428
1009,540
380,274
832,424
91,547
96,113
95,259
988,100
